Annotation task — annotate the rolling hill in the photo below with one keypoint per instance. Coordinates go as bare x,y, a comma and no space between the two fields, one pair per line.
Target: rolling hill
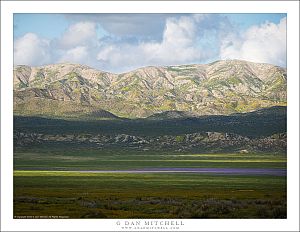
258,131
219,88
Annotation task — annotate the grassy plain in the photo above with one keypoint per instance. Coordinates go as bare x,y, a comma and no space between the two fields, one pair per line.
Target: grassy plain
72,157
43,185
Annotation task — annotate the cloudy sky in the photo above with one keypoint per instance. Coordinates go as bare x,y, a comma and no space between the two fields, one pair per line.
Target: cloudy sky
123,42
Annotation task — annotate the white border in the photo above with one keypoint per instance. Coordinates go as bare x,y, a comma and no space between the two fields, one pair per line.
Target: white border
10,7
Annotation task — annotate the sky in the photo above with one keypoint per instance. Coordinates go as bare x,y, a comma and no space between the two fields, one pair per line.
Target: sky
122,42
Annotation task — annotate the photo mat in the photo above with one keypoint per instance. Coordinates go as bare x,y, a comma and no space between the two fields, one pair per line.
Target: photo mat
176,140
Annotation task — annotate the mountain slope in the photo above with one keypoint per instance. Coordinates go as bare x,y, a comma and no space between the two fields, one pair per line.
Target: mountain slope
222,87
172,115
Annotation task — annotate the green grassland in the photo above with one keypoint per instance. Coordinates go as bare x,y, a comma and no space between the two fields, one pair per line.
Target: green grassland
121,195
72,157
41,190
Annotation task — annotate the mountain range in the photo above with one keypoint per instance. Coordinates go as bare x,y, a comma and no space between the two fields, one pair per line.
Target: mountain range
219,88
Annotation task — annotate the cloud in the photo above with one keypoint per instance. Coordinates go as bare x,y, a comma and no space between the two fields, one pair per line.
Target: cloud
149,26
184,38
127,43
76,55
181,43
265,43
31,50
77,34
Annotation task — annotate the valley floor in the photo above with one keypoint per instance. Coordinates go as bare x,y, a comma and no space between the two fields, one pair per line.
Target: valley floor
104,183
